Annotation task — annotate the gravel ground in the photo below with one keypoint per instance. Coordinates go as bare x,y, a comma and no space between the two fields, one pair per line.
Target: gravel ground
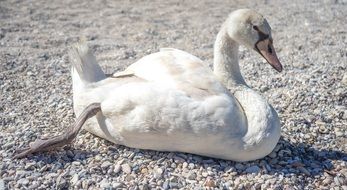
310,95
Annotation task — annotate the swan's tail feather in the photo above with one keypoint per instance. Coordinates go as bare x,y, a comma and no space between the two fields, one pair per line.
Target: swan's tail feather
85,69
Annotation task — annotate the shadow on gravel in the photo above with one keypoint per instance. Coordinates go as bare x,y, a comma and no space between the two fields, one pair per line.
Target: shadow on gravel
303,158
300,159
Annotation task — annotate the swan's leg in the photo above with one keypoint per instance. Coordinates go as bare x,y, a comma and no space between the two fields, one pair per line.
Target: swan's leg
67,137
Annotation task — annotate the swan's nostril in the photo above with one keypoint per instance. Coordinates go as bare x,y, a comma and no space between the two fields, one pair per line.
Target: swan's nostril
269,49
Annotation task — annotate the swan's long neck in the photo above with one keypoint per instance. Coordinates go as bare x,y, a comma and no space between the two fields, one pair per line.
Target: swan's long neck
263,127
226,64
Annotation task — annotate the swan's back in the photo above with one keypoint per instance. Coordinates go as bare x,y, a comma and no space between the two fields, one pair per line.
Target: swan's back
177,69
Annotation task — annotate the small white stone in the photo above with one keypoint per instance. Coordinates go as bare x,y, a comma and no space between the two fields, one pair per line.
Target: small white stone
116,185
204,174
98,158
2,184
29,165
74,179
104,184
184,165
126,168
117,168
158,173
344,79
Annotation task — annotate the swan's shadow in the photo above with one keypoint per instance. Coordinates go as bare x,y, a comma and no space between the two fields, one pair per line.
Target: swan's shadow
290,159
301,159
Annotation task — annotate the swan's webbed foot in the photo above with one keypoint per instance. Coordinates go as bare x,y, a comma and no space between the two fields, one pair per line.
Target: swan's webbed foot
67,137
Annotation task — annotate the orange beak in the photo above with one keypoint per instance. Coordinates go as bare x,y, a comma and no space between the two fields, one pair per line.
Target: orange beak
266,49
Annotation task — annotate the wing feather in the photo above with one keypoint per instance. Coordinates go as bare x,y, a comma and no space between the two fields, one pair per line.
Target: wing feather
176,69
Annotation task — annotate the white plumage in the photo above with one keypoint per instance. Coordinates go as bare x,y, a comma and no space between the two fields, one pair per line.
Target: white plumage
171,101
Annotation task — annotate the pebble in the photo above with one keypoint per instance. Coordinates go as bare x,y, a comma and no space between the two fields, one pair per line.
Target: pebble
33,186
191,175
126,168
204,174
184,165
337,180
304,170
117,185
145,187
61,182
144,171
166,185
85,184
273,155
178,159
76,163
239,166
23,181
158,173
74,179
191,166
106,164
98,158
173,185
2,184
117,168
264,89
253,169
344,79
339,133
8,145
210,183
104,184
30,165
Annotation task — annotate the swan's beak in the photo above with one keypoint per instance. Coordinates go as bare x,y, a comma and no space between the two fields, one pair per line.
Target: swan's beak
266,49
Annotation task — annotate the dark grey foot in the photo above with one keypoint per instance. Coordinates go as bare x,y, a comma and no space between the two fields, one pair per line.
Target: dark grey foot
67,137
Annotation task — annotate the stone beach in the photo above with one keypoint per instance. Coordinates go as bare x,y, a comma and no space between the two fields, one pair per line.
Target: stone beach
310,95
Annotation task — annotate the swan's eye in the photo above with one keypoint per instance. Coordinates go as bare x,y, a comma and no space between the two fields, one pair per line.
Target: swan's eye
269,49
256,28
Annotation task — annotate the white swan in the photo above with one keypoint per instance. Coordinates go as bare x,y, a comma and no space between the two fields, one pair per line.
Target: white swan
171,101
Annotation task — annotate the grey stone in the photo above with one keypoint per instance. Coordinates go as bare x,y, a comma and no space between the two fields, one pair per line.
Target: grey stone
173,185
23,181
166,185
191,175
253,169
239,166
106,164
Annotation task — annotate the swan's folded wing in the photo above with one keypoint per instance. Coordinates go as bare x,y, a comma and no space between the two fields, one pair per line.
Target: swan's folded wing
177,69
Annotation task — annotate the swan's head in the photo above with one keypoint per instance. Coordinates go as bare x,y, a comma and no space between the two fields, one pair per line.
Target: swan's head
251,29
